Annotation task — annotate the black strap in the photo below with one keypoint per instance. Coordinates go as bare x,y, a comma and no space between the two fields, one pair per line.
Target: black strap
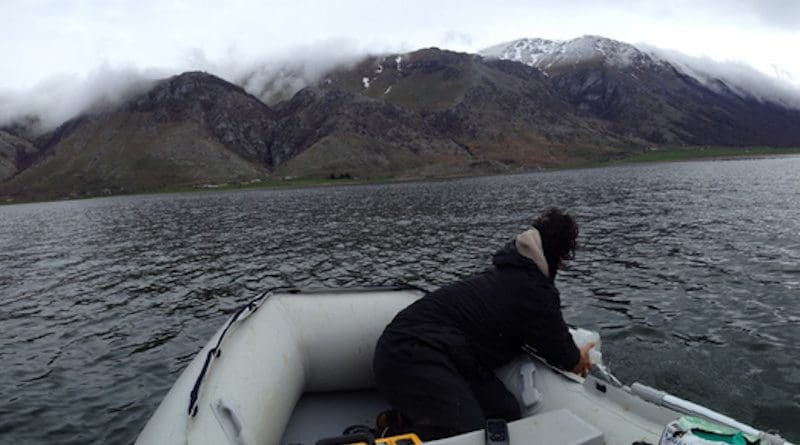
216,351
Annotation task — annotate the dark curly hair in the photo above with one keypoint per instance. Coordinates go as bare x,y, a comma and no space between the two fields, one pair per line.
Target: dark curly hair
559,232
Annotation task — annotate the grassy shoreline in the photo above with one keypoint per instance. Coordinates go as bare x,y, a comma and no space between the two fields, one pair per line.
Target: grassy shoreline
677,154
673,154
688,154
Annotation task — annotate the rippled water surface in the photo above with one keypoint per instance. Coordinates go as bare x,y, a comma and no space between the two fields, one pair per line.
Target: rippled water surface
690,271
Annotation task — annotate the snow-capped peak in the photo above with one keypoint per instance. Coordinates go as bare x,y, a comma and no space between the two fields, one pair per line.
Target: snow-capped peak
552,54
527,51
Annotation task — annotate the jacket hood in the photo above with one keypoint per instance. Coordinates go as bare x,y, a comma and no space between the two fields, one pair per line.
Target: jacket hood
527,246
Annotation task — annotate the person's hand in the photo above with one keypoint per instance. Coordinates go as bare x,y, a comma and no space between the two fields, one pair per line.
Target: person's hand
584,364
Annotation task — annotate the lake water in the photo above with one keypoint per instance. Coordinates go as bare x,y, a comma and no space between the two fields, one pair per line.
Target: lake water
690,271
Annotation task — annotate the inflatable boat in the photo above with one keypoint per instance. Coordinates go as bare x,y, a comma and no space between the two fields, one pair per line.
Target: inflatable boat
295,367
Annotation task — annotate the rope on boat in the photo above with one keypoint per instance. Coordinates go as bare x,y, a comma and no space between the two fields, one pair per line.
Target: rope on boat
240,314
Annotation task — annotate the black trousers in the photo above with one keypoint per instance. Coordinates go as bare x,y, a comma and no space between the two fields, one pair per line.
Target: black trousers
441,393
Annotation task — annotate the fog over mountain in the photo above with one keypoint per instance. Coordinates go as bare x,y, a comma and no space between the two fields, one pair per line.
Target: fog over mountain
282,75
737,76
272,77
425,113
743,78
61,98
278,76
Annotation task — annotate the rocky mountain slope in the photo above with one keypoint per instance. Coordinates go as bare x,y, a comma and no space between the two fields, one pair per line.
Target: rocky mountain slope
436,112
426,113
190,129
16,153
647,96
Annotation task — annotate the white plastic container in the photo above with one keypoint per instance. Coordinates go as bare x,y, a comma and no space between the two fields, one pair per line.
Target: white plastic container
584,336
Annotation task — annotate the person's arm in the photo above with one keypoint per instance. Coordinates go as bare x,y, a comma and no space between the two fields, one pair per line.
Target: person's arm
548,334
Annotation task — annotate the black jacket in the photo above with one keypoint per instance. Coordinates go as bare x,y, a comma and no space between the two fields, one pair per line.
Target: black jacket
481,322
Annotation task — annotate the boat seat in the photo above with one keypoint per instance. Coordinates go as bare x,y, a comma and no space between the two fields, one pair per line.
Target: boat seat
558,427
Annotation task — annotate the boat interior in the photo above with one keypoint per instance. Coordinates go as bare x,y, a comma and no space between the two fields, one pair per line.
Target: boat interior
558,407
313,379
569,410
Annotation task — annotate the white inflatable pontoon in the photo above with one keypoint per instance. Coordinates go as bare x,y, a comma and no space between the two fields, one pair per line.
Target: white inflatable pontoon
295,366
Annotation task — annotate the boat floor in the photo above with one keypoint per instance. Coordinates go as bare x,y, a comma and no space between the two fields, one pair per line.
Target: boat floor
320,415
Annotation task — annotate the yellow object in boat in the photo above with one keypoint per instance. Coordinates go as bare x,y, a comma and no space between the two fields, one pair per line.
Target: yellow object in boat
401,439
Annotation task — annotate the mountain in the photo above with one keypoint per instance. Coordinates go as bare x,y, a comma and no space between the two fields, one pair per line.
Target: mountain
16,153
435,112
520,106
427,113
553,56
190,129
644,95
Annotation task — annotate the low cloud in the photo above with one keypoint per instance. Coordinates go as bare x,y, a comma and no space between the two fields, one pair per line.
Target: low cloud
281,75
457,39
740,77
60,98
272,78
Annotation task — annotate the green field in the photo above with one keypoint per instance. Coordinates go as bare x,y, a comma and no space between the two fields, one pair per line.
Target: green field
658,155
691,153
266,183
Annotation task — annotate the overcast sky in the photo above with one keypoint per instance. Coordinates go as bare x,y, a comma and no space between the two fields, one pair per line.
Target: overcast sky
52,39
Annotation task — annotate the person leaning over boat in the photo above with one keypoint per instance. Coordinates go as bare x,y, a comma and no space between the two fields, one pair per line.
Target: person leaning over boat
434,361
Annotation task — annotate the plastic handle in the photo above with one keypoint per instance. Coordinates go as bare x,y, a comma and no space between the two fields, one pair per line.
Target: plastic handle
530,396
229,421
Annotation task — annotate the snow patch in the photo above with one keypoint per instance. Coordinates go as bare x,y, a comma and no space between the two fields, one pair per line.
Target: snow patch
527,51
380,69
365,81
387,90
398,61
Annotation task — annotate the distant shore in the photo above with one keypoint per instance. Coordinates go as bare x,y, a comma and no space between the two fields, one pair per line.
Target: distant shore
706,153
685,154
673,154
